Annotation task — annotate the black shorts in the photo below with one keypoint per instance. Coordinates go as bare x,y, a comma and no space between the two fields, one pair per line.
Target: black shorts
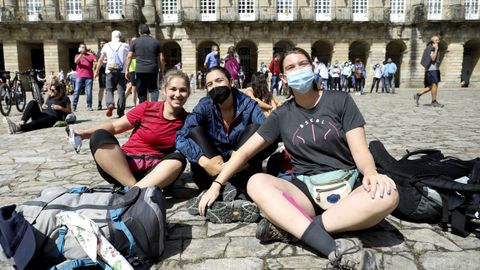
432,77
133,78
303,188
102,77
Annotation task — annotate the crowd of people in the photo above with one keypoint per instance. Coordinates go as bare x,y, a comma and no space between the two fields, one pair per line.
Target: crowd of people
230,133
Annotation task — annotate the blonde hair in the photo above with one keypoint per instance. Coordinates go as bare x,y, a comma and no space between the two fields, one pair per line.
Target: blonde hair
175,73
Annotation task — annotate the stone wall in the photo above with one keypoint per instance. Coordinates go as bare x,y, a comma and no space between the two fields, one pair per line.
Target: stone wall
57,36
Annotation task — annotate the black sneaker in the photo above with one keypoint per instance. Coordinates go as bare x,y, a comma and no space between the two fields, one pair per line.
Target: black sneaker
436,104
267,232
350,254
416,97
227,212
228,192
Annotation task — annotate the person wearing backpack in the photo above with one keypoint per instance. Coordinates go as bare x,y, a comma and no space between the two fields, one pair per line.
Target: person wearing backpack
359,74
324,134
115,52
431,60
148,158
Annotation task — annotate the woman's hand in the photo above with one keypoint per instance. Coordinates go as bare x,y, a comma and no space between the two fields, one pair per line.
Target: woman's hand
44,106
56,107
378,183
208,198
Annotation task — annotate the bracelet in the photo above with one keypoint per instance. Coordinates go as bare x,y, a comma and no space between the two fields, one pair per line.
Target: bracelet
215,181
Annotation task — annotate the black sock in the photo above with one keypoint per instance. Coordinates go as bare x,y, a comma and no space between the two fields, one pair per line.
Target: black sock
317,238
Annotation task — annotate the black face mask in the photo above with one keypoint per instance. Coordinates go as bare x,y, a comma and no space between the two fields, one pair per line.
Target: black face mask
219,94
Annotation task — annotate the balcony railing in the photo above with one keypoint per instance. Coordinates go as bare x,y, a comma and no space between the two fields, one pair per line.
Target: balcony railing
413,14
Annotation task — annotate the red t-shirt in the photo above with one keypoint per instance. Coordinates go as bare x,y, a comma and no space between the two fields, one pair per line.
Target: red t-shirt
155,135
85,66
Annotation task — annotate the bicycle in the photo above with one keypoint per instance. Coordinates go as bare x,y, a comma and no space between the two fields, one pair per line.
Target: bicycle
11,91
35,78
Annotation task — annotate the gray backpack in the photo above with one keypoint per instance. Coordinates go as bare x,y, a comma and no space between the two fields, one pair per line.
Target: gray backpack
133,220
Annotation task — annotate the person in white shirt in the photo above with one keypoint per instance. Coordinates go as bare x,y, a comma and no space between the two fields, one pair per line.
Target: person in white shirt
377,75
116,53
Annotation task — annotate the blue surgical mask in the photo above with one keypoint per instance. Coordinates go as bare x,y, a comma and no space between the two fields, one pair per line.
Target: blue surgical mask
301,80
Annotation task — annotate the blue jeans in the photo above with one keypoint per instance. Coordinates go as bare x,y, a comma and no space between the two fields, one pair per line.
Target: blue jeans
79,83
274,84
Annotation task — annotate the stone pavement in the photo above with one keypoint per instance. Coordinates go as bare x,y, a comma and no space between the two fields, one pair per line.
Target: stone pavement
35,160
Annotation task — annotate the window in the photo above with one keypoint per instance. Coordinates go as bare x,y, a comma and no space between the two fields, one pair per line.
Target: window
208,10
397,10
114,9
471,10
33,10
74,10
322,10
434,9
169,11
285,10
246,10
360,10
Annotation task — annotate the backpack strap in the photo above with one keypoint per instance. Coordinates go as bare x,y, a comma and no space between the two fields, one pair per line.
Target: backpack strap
62,232
422,152
120,225
81,263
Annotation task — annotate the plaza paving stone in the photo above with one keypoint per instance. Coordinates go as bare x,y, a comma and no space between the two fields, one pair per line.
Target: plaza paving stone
35,160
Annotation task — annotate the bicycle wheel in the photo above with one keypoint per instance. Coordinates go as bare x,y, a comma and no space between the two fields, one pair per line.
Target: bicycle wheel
20,97
5,99
37,95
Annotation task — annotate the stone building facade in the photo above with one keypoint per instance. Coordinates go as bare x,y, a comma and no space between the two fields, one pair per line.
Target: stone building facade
45,33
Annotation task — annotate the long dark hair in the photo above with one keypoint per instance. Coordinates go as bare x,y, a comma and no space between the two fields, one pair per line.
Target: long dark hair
260,87
59,88
297,50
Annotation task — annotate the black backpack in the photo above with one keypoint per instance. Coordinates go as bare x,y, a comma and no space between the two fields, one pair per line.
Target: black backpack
427,187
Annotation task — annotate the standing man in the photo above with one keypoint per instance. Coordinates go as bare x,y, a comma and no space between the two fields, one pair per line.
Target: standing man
431,62
275,70
150,63
212,59
84,73
101,74
391,69
115,52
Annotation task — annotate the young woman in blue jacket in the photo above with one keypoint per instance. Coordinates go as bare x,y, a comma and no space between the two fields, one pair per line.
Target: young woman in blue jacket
218,125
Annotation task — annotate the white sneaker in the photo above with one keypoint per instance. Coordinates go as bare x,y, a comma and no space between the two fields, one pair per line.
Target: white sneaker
74,140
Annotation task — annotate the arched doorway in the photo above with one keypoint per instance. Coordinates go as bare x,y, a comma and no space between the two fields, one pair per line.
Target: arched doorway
248,52
395,49
359,49
323,50
282,46
204,48
172,53
470,69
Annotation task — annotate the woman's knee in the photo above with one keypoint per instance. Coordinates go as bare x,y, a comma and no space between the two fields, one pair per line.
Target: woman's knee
258,184
101,137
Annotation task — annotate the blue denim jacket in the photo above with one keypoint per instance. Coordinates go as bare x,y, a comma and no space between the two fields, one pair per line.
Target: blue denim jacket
209,116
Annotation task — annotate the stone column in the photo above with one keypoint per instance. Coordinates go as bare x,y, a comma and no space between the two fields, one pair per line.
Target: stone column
50,11
131,10
52,56
340,51
148,11
451,65
189,58
412,70
11,55
91,10
376,55
265,52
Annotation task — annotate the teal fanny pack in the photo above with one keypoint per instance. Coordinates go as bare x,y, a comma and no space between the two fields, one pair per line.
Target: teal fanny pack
330,187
